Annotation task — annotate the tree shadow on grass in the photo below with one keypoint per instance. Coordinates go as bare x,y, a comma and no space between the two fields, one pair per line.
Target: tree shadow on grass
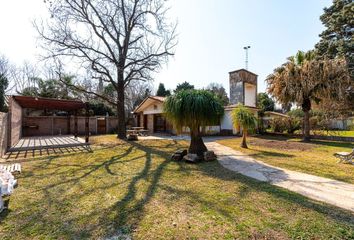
130,209
264,154
214,169
314,142
124,210
332,143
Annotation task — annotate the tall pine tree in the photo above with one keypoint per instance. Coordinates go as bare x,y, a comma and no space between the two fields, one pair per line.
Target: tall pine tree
162,92
337,38
3,86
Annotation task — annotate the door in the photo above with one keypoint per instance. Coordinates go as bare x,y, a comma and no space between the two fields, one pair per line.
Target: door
138,120
145,122
159,123
101,126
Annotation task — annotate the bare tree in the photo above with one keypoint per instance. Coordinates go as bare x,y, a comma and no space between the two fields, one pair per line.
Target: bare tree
136,93
4,65
119,41
23,77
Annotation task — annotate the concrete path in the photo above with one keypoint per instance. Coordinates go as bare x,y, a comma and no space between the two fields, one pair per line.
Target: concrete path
322,189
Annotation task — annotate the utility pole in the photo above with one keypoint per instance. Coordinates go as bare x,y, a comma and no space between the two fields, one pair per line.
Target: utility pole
246,49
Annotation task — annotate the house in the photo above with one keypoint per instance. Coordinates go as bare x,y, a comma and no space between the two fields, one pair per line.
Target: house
243,90
149,114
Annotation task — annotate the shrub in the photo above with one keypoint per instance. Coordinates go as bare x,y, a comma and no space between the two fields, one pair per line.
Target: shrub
296,113
293,125
277,125
289,125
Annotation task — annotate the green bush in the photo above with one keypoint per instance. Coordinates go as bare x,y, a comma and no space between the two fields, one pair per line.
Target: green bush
281,125
296,113
277,125
293,124
319,123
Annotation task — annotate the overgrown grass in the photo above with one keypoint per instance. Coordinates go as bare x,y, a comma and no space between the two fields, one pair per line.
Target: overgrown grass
335,133
134,189
314,158
339,133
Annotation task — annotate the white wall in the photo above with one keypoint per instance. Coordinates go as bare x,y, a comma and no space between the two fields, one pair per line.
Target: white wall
250,95
154,108
226,121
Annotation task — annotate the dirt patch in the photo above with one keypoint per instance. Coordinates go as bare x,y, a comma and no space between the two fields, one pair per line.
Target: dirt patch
282,144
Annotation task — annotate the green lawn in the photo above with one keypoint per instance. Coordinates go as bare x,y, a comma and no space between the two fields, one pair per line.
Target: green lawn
314,158
335,133
134,189
339,133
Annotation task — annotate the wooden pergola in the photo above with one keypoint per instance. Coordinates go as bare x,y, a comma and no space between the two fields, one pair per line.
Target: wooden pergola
70,106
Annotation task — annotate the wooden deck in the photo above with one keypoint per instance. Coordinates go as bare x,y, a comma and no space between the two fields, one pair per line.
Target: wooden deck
41,142
46,145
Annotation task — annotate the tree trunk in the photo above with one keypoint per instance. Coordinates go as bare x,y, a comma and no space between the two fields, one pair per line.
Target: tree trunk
121,109
197,145
306,107
244,135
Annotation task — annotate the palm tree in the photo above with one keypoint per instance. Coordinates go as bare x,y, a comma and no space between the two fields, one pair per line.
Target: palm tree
304,79
244,118
193,109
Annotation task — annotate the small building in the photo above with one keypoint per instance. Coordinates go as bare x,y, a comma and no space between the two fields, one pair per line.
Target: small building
41,123
243,90
149,114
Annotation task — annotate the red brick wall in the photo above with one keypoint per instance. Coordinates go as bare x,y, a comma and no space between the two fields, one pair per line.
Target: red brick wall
37,126
3,133
55,125
16,122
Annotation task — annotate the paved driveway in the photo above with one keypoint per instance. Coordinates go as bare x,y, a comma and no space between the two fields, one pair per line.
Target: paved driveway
322,189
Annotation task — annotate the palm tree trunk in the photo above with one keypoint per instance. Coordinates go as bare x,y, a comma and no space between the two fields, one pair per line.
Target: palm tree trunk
197,145
244,135
306,107
307,126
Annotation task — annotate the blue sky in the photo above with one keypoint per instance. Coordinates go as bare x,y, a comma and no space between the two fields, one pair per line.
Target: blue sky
212,34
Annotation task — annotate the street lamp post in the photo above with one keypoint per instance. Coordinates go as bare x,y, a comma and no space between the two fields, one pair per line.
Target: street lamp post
246,49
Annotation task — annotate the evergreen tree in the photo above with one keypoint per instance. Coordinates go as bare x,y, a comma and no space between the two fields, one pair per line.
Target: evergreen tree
220,92
264,102
184,86
3,85
336,39
162,92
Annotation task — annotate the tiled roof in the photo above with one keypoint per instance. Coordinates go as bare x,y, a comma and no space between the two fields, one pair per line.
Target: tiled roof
156,98
235,105
243,70
162,99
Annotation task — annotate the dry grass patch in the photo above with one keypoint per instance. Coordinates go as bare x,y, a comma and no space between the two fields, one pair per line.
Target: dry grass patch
133,189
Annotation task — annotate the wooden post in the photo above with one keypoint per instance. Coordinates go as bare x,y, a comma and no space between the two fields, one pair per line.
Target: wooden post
9,124
75,125
68,122
52,125
87,121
